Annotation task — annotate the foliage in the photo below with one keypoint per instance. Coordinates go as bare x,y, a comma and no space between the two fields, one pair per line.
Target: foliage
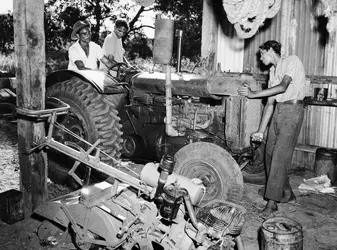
138,46
60,16
66,13
7,63
188,16
199,66
7,33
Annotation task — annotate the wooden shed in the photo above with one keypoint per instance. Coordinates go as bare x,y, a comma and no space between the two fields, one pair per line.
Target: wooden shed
302,29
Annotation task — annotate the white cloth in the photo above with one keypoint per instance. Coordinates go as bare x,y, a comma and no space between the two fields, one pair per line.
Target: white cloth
76,53
293,67
113,46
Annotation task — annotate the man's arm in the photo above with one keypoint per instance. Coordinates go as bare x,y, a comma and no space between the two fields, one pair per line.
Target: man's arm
267,114
80,65
278,89
108,61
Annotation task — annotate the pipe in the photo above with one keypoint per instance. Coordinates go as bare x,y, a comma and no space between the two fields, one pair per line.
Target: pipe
190,209
179,34
170,131
239,243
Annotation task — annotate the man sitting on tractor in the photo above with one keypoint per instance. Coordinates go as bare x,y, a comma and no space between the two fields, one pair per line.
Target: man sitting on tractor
85,54
113,47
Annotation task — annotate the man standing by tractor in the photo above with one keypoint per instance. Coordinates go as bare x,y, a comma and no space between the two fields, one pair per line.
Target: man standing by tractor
85,54
113,46
285,92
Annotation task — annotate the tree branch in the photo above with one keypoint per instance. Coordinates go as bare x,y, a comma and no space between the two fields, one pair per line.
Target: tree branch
136,17
142,26
91,3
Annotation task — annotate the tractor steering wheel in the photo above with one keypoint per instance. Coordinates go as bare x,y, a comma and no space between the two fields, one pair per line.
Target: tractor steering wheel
119,65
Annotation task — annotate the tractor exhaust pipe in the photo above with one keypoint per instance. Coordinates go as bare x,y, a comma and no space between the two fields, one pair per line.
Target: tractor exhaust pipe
162,53
179,35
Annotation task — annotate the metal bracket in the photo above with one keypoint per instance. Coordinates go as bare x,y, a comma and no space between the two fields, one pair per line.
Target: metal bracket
45,113
85,156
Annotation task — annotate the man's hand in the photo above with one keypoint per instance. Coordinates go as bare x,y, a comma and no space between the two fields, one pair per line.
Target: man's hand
111,58
257,136
245,91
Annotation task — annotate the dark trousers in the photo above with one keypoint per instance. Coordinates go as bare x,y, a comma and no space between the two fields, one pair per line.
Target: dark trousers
282,137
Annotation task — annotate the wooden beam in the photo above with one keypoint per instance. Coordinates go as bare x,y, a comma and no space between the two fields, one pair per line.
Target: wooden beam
29,43
209,34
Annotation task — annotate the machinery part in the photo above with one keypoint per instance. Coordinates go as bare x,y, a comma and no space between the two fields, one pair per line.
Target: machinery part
151,240
172,198
92,116
196,190
223,217
117,215
192,85
254,171
227,243
8,110
216,168
165,168
167,164
119,66
133,145
98,79
49,233
239,243
85,246
163,40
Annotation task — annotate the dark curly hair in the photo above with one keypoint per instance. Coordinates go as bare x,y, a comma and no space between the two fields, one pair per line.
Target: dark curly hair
122,23
276,46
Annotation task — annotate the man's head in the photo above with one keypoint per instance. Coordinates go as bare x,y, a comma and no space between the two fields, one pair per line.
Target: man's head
81,31
269,50
121,27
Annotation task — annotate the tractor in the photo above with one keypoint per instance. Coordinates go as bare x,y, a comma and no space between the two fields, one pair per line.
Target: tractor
209,133
142,116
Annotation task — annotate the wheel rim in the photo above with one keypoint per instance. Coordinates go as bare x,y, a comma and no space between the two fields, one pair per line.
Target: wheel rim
226,180
207,174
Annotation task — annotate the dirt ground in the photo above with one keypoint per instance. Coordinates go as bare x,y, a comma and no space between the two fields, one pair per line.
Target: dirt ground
316,213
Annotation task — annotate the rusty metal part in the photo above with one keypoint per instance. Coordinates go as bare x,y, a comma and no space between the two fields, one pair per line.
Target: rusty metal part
220,84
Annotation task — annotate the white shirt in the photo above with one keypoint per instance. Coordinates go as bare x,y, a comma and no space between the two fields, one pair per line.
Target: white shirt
113,46
293,67
76,53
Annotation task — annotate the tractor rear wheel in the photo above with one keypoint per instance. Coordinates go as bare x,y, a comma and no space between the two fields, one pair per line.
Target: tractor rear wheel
215,167
92,116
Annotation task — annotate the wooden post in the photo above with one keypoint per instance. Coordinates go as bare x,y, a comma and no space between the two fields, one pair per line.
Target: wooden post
30,73
209,34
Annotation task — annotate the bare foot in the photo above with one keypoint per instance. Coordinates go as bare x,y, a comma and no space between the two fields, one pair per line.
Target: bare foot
269,209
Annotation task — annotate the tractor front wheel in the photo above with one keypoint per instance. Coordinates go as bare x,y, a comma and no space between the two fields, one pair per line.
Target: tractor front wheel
215,167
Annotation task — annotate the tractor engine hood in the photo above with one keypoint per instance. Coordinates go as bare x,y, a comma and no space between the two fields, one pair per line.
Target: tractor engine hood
183,84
